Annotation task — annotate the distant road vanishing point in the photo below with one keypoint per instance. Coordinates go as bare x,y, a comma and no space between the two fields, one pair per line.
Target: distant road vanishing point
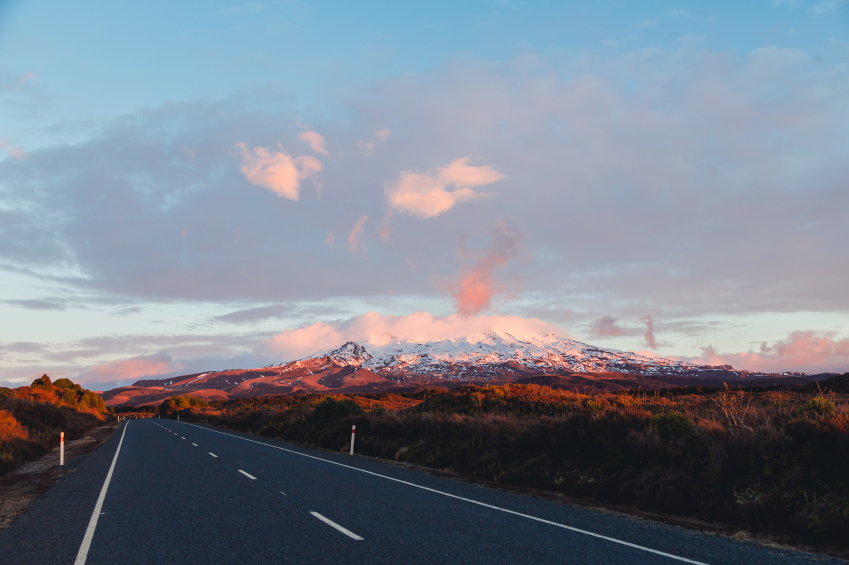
161,491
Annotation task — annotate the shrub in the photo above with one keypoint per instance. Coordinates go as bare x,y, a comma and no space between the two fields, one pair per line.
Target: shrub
43,382
331,410
65,384
818,406
5,391
672,426
11,428
69,397
182,403
93,401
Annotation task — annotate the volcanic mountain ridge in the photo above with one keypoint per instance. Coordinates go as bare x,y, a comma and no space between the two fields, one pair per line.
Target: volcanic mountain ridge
490,357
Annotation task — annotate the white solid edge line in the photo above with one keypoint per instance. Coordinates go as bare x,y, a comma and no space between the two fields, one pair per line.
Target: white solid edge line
513,512
333,524
214,455
248,475
82,554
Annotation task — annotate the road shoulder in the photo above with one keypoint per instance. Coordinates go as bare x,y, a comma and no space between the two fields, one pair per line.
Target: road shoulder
22,487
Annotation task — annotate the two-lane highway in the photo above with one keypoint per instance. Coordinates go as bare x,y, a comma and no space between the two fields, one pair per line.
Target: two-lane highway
182,493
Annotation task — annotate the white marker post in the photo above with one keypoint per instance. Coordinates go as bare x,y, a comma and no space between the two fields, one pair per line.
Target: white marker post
353,433
61,448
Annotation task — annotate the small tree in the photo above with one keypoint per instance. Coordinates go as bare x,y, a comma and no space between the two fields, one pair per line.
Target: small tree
65,384
43,382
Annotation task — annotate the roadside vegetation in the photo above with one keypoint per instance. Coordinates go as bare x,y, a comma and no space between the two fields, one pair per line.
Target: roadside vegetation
31,418
765,461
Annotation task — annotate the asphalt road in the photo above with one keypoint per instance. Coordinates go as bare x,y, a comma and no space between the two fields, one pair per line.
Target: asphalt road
181,493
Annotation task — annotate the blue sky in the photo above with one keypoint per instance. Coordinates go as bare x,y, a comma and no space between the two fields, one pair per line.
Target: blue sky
592,165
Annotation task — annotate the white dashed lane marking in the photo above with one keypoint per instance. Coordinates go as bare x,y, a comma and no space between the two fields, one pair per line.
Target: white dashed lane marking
248,475
333,524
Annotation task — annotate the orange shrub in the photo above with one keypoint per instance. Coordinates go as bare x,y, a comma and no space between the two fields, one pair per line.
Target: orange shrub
11,428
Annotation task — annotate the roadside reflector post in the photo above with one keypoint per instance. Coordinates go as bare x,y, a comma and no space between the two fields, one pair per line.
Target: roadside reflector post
61,448
353,434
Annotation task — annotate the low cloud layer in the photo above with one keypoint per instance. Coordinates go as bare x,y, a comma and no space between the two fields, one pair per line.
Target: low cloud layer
373,328
130,369
801,351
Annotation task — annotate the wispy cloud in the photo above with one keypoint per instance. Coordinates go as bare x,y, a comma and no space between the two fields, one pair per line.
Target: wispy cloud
649,335
12,149
606,326
277,171
827,7
315,141
252,315
475,286
426,194
356,246
36,304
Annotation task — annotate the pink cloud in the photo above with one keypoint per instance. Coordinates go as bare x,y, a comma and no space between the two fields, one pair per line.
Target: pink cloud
475,286
315,141
606,327
803,351
355,246
383,134
373,328
133,368
14,151
331,239
425,194
277,171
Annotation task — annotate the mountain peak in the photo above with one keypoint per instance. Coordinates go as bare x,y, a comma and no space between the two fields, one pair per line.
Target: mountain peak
349,353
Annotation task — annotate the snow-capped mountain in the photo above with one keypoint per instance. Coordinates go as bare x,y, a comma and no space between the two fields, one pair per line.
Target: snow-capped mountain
494,356
497,352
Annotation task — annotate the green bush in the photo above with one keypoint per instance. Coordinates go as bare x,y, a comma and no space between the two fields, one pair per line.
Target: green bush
330,410
43,382
65,384
819,406
4,391
182,403
672,426
69,397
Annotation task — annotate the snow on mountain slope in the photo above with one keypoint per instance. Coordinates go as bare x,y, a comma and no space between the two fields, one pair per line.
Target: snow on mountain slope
499,352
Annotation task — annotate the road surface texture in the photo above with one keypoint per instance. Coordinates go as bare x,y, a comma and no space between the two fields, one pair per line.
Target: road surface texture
177,493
